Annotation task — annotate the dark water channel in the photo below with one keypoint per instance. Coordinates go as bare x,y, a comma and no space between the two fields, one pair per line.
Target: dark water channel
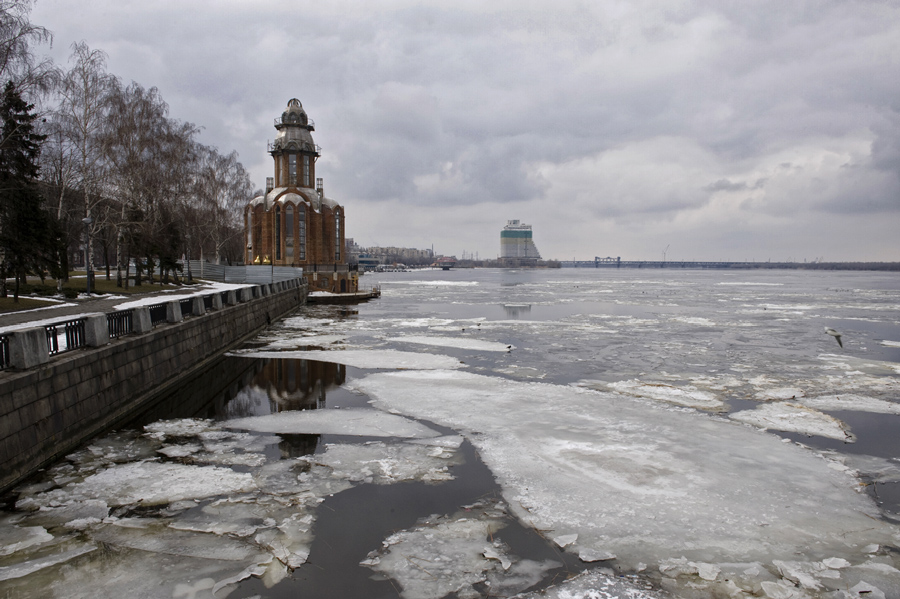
354,522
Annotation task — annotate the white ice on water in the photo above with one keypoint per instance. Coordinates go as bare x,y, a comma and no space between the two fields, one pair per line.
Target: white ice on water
456,342
205,526
643,481
595,584
851,403
452,554
362,358
355,421
794,418
688,396
148,483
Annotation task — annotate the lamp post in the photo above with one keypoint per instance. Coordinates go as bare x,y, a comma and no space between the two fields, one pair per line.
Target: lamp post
87,250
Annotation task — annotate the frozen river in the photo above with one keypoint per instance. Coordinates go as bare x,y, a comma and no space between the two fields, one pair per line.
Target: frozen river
570,433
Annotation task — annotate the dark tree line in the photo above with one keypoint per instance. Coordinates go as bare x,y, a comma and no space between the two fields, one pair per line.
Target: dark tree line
109,169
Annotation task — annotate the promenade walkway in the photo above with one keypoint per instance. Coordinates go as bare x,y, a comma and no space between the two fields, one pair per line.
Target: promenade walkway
71,308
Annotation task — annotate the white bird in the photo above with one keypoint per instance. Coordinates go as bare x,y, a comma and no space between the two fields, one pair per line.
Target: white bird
834,334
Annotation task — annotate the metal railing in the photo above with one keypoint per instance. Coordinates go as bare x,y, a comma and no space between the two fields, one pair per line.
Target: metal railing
120,323
71,332
68,335
157,314
186,305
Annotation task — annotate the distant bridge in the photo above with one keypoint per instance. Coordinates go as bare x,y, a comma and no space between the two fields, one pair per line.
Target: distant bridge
598,262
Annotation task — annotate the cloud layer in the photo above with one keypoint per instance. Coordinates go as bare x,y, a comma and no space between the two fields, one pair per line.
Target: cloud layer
725,130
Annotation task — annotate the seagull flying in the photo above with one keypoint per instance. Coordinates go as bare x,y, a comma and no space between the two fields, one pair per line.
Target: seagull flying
834,334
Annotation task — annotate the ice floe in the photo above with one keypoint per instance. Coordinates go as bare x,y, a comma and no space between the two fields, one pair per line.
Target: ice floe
851,403
643,481
148,483
354,421
362,358
688,396
382,463
596,585
794,418
456,342
455,554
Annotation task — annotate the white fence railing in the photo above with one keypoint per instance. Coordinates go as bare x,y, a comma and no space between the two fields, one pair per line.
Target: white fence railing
251,273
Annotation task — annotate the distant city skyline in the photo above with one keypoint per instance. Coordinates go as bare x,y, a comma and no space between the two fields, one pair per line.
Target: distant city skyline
739,131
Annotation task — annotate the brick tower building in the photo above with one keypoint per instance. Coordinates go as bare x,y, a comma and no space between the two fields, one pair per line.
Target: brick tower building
294,224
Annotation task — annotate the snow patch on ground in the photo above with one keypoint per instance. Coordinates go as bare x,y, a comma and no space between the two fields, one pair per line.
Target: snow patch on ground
362,358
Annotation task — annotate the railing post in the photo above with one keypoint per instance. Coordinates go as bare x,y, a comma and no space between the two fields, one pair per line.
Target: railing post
141,320
96,330
197,307
173,312
28,348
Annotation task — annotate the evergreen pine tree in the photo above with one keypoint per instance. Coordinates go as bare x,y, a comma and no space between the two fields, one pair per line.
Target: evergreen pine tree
28,234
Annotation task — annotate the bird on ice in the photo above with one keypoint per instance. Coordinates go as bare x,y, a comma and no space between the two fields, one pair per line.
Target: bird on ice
834,334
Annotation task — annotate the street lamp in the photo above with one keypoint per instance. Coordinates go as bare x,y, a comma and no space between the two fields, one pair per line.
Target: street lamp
87,250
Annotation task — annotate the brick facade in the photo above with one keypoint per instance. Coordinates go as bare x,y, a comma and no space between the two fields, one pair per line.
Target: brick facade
294,224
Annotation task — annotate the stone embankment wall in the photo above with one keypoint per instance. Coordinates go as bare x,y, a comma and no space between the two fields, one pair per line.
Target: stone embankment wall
49,410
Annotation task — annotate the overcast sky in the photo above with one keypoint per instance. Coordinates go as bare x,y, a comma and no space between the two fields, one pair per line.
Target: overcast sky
718,129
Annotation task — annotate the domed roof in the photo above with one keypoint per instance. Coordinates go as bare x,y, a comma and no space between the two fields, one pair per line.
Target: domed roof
294,113
294,128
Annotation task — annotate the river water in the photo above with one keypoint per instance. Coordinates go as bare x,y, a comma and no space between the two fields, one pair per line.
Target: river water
533,433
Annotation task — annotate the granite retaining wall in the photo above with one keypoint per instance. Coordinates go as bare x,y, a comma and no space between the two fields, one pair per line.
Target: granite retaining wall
49,410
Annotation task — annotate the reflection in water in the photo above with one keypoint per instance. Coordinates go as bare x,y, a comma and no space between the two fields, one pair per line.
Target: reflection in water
516,310
299,384
281,385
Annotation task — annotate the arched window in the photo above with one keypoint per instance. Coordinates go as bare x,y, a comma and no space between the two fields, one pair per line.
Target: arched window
289,233
306,171
248,227
257,234
301,232
278,232
337,236
292,169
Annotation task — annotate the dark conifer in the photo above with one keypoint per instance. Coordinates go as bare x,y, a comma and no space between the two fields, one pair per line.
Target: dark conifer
28,235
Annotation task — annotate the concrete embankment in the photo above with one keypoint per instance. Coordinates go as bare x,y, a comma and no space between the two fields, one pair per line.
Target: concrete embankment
48,410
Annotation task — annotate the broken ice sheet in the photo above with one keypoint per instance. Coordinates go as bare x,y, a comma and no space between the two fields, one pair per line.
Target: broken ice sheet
851,402
794,418
354,421
384,463
15,538
120,572
688,396
595,585
455,342
642,480
451,554
146,483
362,358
